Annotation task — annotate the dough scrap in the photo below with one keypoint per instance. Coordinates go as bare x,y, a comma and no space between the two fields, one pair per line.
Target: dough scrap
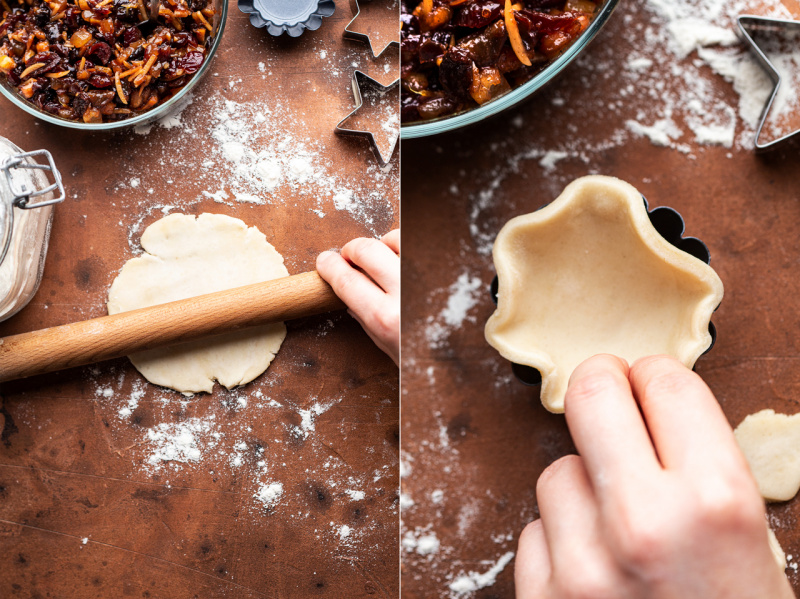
186,256
771,444
589,274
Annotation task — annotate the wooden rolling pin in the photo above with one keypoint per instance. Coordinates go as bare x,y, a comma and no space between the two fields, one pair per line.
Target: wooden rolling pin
122,334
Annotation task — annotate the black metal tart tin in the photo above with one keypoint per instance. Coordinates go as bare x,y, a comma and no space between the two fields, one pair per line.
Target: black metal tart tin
670,225
291,16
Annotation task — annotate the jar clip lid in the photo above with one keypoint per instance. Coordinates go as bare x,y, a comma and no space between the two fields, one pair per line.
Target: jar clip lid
21,195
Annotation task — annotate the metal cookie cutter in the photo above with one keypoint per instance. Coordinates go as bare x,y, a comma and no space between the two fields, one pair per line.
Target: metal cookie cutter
771,26
350,33
291,16
21,193
362,81
670,225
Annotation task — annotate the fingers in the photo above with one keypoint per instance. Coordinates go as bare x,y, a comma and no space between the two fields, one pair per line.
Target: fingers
606,426
532,568
569,514
376,259
353,287
687,425
392,239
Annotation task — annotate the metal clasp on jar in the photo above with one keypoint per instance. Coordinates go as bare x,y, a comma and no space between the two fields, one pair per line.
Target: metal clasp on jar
21,195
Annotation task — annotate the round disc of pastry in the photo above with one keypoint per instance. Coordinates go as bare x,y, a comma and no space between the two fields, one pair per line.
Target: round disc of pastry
186,256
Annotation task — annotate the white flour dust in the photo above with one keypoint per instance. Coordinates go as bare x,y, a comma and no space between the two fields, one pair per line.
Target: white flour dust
463,295
258,153
269,494
252,435
470,582
182,442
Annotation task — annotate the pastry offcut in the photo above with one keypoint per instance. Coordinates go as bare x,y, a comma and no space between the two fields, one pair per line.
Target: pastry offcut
589,274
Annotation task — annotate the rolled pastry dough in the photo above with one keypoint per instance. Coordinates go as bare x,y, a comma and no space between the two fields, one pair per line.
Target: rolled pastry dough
186,256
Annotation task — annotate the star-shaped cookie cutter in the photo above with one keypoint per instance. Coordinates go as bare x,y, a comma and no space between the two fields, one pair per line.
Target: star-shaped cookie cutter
748,23
362,81
350,33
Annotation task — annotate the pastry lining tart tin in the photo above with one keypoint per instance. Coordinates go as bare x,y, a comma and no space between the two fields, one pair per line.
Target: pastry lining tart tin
659,231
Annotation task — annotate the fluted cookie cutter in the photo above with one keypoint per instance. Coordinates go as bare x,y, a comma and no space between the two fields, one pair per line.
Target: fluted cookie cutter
772,27
362,85
291,16
670,225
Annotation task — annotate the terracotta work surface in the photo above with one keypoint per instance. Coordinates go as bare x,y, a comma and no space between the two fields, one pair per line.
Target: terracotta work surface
474,439
90,504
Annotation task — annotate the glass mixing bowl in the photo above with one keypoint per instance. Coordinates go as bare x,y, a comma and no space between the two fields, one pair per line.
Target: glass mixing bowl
221,8
462,119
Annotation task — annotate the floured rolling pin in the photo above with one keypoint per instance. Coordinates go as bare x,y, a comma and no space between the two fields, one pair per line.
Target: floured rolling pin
126,333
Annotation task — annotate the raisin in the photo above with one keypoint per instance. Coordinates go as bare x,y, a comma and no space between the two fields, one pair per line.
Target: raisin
455,72
131,35
192,62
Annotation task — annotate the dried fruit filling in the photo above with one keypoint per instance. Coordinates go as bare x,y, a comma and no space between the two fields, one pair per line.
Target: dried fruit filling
458,54
102,60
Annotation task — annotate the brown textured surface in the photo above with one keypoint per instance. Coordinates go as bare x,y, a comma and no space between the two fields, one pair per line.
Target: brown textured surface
476,433
72,468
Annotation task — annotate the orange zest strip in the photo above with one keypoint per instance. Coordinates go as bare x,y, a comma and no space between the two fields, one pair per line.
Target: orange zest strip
34,67
514,36
118,85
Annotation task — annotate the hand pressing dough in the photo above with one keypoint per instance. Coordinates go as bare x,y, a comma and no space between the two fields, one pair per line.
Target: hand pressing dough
188,256
771,444
589,274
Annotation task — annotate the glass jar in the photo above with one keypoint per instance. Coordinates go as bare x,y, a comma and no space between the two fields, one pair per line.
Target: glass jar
26,211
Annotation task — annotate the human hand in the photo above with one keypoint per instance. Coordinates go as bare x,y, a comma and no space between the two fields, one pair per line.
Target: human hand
659,505
366,276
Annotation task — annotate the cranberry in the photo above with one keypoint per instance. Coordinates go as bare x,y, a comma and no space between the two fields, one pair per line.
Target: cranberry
100,52
100,80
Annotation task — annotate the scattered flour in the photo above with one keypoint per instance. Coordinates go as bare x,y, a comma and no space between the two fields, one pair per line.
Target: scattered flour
427,545
182,442
420,541
257,153
309,416
470,582
269,494
133,401
463,295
